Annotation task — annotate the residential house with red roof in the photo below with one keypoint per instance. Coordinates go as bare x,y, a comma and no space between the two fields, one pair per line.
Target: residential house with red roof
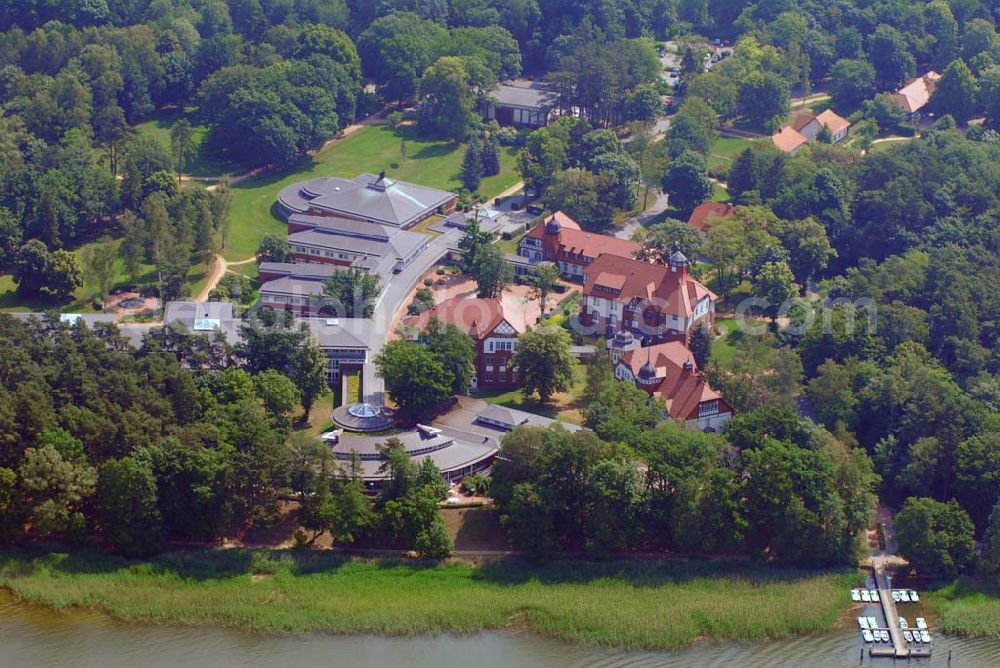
807,127
915,95
789,140
654,302
667,371
701,214
810,126
559,239
493,327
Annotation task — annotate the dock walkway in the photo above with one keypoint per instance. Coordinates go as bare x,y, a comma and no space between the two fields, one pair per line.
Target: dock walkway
891,617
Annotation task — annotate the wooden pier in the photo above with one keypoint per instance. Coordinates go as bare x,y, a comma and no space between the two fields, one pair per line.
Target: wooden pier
900,648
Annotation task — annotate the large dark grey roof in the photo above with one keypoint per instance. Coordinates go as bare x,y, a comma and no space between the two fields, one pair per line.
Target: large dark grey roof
401,245
340,332
191,310
345,226
451,449
525,94
367,196
303,270
287,285
460,219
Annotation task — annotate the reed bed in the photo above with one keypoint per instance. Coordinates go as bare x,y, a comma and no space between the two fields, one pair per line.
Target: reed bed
647,604
966,610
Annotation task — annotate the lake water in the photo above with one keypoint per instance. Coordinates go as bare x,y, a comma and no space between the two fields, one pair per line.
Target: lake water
32,636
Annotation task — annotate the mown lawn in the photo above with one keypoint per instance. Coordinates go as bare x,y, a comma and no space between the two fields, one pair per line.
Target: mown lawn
719,193
429,162
724,348
725,149
319,419
650,604
353,388
203,162
565,406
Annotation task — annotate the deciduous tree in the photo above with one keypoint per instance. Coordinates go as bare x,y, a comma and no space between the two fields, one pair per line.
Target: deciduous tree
415,379
686,181
491,271
543,361
936,538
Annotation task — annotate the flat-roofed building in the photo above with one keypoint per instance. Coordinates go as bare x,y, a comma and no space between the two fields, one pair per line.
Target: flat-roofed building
520,103
456,453
380,249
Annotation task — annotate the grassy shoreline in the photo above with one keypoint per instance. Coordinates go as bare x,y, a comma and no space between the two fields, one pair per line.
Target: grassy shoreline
967,610
642,604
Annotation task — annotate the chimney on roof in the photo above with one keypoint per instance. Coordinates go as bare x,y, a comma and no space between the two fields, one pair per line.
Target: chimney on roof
688,366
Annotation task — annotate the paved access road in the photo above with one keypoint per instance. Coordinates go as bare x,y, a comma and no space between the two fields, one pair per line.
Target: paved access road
391,301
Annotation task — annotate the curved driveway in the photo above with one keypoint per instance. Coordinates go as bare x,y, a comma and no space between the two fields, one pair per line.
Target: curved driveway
391,301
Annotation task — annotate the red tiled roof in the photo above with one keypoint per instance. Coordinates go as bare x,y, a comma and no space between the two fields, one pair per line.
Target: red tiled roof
682,389
835,123
571,239
564,221
676,293
801,120
917,93
707,210
475,317
787,139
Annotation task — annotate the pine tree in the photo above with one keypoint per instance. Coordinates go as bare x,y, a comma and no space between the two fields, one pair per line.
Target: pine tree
472,168
490,158
701,345
744,174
